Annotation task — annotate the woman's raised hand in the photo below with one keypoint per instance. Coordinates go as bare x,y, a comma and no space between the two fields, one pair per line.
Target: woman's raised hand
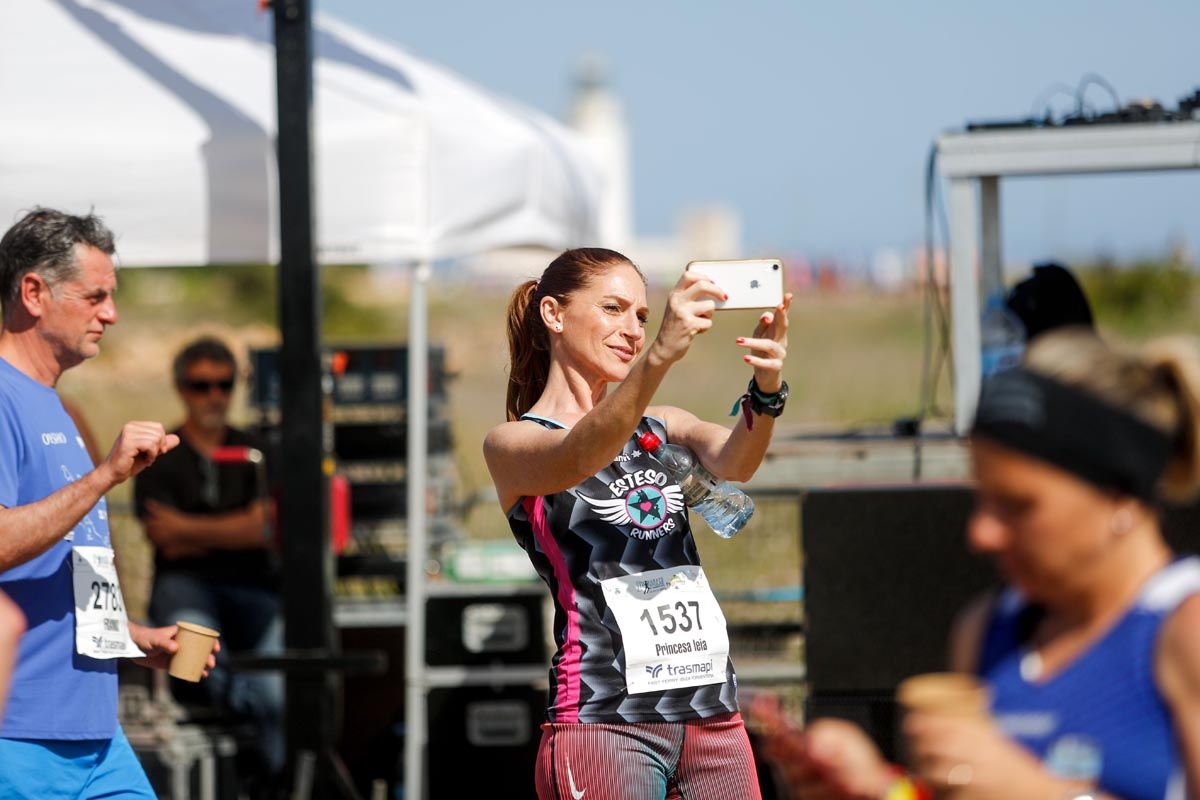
768,347
690,307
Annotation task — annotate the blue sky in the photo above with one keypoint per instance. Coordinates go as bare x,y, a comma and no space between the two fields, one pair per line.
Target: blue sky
814,119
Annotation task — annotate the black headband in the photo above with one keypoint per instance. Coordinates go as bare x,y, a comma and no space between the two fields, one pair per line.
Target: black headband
1074,430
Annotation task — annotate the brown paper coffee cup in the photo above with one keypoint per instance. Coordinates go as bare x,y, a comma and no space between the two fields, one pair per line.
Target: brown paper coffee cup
195,646
952,693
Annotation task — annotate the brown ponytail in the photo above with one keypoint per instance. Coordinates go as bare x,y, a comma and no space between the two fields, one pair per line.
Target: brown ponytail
528,340
1159,384
528,351
1175,361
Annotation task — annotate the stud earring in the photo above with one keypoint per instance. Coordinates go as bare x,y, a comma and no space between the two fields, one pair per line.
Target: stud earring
1122,522
558,328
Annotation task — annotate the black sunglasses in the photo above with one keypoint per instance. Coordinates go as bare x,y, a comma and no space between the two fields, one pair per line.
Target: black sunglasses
204,387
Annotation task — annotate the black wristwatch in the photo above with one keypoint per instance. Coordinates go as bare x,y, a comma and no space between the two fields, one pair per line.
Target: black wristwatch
763,403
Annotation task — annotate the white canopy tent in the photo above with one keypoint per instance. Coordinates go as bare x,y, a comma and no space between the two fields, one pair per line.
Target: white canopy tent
161,115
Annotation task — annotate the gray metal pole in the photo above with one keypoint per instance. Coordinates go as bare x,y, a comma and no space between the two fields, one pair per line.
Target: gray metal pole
415,725
303,508
991,249
964,298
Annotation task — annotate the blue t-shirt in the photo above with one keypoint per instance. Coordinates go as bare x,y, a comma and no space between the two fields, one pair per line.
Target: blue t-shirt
56,693
1102,718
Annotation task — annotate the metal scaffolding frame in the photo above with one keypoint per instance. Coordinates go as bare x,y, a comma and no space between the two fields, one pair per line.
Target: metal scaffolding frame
973,163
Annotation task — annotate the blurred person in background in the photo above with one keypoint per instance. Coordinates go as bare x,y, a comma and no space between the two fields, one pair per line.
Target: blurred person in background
565,466
1092,652
60,735
1049,298
208,523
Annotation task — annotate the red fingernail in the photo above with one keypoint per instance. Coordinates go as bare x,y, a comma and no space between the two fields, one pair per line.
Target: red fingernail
746,359
741,339
726,297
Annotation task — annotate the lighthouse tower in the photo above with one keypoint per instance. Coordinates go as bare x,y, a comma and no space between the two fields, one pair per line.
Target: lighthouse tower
597,117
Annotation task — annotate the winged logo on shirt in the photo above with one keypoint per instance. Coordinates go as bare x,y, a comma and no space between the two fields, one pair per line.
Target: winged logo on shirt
645,507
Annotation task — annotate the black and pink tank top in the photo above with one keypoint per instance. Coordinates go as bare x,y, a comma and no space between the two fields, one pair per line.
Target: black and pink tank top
627,519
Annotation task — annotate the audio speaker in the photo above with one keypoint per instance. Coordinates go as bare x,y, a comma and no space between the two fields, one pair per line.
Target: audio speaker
885,571
371,735
506,625
483,740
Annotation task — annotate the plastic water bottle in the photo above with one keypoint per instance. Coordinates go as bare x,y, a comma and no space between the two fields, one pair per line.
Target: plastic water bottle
724,507
1002,337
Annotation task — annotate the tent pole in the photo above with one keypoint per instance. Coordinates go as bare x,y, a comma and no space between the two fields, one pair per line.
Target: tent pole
415,724
307,559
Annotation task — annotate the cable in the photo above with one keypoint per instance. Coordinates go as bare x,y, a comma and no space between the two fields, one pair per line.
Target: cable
937,202
1041,103
942,306
935,313
1086,81
927,360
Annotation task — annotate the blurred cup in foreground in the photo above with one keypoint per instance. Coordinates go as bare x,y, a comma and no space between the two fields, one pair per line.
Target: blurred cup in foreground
195,646
952,693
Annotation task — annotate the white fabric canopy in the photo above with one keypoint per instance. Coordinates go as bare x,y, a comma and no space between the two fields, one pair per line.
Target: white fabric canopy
160,115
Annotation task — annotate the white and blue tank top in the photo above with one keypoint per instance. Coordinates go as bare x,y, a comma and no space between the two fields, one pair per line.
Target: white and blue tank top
1102,718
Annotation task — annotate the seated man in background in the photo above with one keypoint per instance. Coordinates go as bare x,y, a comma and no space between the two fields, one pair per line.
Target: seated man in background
208,522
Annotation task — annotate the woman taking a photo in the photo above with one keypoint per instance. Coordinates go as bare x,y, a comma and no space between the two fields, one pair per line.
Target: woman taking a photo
1092,653
606,528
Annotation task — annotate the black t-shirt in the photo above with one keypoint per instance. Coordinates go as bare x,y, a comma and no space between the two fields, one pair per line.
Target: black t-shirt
188,481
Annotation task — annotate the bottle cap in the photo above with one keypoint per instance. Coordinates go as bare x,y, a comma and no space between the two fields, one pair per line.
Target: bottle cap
649,441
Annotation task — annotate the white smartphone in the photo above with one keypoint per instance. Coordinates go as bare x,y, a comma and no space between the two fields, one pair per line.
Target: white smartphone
750,283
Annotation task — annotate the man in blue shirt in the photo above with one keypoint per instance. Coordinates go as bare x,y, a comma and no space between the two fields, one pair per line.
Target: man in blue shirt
59,735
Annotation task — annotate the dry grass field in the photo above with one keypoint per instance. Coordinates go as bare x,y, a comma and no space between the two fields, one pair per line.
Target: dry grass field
854,360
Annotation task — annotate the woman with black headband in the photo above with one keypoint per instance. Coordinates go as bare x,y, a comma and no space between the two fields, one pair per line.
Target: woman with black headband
1092,653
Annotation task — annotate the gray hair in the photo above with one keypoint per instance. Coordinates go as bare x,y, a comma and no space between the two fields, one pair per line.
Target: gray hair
43,242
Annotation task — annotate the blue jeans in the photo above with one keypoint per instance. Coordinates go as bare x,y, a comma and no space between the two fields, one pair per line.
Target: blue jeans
250,621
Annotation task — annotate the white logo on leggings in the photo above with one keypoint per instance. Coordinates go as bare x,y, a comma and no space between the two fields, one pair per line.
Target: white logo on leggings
576,793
